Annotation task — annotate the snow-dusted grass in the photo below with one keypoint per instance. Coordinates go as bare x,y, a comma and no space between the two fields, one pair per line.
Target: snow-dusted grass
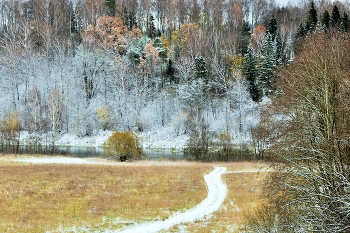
216,196
244,181
90,195
62,197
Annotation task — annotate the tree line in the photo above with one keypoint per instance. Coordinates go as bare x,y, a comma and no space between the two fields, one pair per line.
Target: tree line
306,126
83,66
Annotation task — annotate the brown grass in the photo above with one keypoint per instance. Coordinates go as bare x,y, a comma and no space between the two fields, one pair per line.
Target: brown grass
39,198
244,181
56,198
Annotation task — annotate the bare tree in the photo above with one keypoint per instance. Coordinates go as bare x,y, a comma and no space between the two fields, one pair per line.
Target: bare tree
313,139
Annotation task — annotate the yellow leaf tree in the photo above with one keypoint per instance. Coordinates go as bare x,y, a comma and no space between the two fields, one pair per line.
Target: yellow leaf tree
123,145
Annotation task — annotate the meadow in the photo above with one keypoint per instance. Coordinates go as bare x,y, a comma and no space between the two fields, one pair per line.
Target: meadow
86,198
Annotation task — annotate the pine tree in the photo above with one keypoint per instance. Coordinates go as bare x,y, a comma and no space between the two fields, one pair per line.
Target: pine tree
249,71
312,19
335,19
111,8
344,25
326,19
267,66
272,27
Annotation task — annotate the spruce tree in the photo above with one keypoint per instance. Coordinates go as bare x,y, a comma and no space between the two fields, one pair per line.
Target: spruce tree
249,71
151,31
325,19
200,67
335,19
129,18
279,48
170,72
301,32
243,39
344,25
312,19
267,65
272,27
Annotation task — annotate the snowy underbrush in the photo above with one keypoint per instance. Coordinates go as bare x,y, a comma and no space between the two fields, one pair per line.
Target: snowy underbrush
163,138
67,139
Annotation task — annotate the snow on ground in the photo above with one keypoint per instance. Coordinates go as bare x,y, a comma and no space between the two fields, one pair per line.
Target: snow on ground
163,138
62,160
216,195
67,139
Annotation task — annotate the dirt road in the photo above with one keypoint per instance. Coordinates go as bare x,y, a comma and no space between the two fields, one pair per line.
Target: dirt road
216,195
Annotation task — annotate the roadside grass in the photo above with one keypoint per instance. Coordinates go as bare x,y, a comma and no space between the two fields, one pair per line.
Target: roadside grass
244,181
60,198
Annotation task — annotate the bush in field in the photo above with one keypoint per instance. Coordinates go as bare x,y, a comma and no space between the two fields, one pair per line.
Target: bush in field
9,132
123,144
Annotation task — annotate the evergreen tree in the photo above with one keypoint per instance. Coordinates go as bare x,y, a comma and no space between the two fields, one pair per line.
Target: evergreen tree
111,8
135,50
170,72
246,30
201,70
301,32
151,29
312,19
129,18
158,44
335,19
344,25
243,39
267,65
249,71
272,27
325,19
279,48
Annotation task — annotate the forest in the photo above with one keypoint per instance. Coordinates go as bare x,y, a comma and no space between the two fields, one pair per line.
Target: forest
202,68
245,73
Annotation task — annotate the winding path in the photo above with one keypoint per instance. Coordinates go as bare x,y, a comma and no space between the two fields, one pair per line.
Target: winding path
216,195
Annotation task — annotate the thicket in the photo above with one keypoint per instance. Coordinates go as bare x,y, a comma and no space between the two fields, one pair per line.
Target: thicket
207,146
123,145
309,191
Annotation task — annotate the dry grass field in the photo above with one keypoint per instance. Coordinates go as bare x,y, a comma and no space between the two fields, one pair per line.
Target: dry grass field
86,198
244,181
